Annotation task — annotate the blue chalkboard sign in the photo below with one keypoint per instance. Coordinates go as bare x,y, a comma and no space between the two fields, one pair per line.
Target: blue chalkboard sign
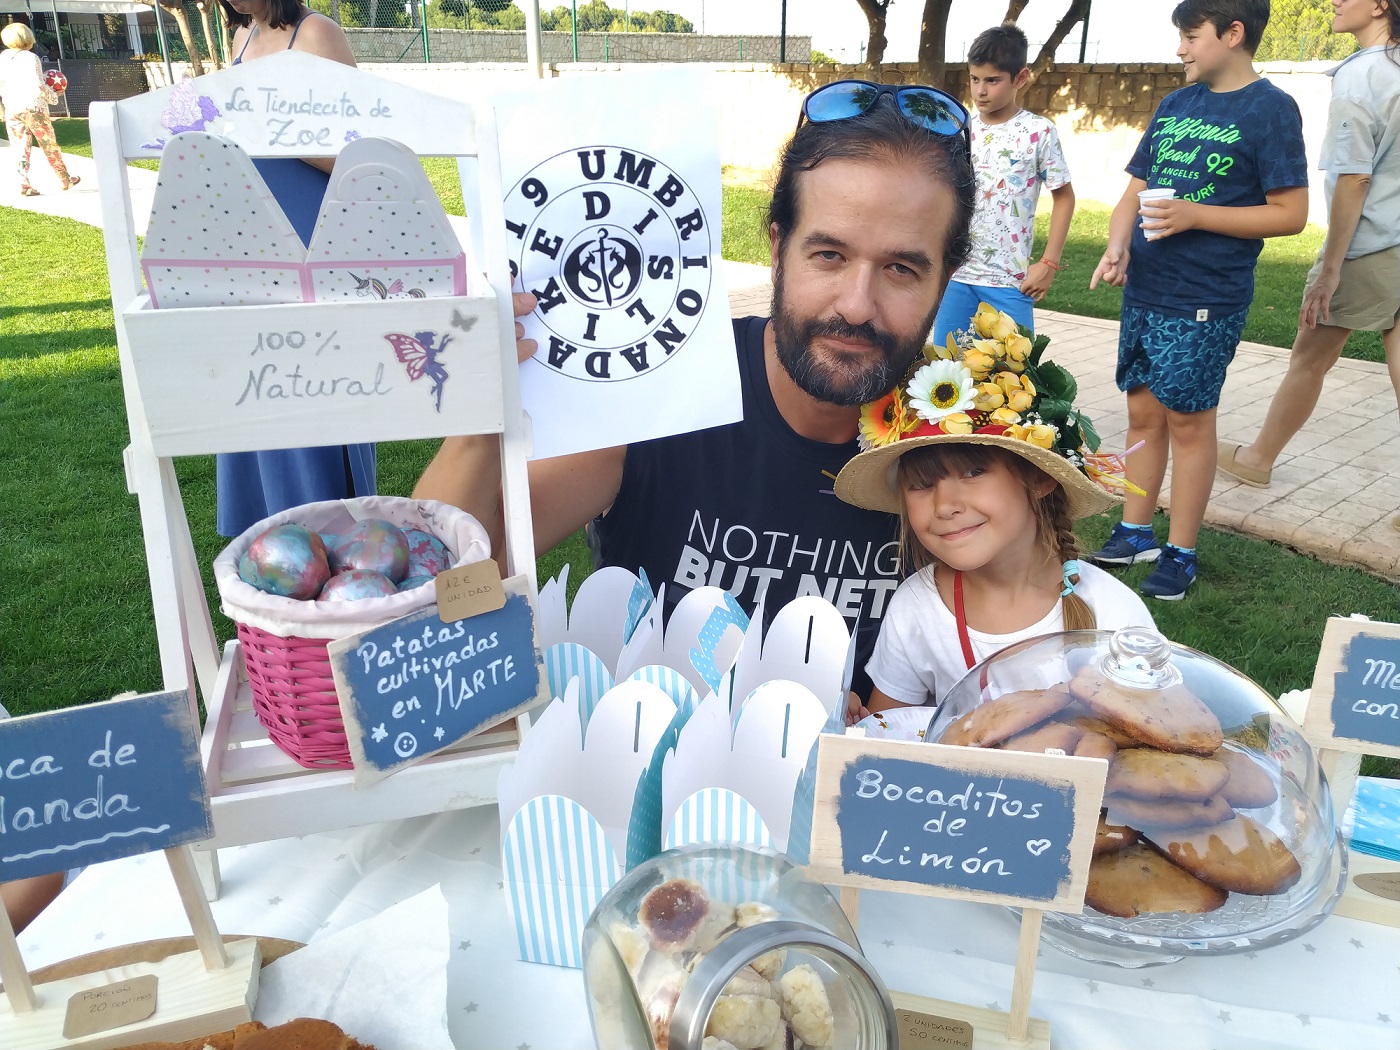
98,782
982,825
418,685
1366,691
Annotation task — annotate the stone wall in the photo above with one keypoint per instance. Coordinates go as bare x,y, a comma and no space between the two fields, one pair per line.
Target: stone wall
456,45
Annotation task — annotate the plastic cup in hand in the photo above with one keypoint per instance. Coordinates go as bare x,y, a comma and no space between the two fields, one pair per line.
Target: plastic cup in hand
1145,200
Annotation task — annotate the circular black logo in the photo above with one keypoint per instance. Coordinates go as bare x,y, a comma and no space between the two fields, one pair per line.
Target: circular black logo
616,248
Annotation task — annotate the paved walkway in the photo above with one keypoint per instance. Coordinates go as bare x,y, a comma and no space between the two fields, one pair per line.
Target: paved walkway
1335,490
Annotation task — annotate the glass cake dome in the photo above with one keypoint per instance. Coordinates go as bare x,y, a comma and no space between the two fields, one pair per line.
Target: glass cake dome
727,946
1217,833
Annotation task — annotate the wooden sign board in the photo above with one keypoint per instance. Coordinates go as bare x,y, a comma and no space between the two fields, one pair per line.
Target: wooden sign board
241,378
98,782
418,685
999,827
1354,704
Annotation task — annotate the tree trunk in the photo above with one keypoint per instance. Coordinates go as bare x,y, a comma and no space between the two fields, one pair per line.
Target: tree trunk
1013,11
182,19
933,41
209,37
875,12
1043,61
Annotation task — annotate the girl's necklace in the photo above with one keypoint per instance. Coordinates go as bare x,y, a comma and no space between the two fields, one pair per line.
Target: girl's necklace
960,614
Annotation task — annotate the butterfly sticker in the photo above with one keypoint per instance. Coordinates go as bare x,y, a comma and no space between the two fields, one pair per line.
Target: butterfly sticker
419,355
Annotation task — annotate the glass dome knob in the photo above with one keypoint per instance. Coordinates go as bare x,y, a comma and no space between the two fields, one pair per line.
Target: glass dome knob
1140,658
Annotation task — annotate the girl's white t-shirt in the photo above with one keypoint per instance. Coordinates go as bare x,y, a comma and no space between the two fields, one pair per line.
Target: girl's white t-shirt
918,656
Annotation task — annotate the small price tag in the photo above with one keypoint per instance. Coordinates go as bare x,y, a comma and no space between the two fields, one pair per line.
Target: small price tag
469,591
929,1031
111,1006
1382,883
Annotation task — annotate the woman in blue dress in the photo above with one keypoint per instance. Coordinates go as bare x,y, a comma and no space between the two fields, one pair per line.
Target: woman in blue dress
253,485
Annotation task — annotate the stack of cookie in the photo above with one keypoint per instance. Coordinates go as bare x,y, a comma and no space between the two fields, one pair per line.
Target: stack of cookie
1173,836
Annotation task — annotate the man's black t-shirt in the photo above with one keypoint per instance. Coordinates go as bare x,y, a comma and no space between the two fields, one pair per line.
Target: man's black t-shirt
749,507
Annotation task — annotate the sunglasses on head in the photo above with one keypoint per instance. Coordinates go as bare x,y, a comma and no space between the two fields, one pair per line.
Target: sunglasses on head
933,110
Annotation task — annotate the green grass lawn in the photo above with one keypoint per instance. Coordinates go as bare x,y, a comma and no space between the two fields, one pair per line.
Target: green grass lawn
75,616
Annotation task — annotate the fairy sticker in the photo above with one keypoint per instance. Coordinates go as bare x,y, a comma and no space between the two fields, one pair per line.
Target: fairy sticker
419,355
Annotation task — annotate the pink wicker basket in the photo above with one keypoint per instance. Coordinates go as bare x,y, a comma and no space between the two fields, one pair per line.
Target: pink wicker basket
289,670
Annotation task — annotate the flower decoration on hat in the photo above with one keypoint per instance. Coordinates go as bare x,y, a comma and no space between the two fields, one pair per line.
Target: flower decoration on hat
993,380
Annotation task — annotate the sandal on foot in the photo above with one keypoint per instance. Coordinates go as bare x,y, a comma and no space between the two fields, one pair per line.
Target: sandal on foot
28,191
73,181
1226,453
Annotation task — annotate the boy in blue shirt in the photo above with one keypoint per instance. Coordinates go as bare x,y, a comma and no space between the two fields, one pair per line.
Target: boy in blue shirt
1015,153
1230,145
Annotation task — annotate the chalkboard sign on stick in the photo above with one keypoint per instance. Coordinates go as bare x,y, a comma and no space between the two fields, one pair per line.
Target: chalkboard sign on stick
417,686
1000,827
1354,704
98,782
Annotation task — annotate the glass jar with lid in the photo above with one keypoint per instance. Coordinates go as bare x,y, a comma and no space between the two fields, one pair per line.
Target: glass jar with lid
720,947
1217,833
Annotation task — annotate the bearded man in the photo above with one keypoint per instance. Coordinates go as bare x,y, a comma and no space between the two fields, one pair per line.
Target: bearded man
869,217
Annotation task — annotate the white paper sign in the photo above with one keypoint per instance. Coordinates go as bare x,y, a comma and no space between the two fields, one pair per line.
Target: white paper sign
613,222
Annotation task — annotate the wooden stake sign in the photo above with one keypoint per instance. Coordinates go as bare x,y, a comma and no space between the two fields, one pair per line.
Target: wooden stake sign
94,783
418,685
1354,708
995,827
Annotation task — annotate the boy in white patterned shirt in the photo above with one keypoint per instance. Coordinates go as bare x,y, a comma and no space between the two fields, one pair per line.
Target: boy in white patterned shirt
1014,152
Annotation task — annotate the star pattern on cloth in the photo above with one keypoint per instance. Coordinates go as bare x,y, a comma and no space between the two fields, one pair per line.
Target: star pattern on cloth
1093,987
888,944
958,951
274,901
470,1008
98,936
1356,944
342,856
1304,1020
994,1006
476,850
1251,955
523,1046
1224,1016
1309,949
463,945
1383,1018
1148,982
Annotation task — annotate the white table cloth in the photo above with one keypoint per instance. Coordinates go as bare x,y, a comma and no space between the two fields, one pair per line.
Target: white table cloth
1337,986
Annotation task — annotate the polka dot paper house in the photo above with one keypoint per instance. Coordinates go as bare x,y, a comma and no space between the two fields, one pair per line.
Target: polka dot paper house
217,236
382,233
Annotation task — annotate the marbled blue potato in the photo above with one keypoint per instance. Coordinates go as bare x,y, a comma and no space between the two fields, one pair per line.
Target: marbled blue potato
427,555
354,584
373,544
289,560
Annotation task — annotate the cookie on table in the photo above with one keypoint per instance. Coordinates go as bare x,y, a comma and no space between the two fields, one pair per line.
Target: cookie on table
1110,838
1140,881
1238,854
1096,745
1042,738
1004,717
1144,813
1172,719
1147,773
1250,785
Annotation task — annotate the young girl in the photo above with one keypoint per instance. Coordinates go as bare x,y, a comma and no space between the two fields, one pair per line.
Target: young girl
986,497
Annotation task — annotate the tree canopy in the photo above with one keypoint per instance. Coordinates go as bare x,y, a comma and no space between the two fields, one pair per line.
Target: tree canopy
595,16
1301,30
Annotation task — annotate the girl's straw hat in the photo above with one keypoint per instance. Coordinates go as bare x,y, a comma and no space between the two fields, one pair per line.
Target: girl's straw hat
989,386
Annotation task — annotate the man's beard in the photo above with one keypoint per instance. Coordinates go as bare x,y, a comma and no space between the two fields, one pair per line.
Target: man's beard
849,378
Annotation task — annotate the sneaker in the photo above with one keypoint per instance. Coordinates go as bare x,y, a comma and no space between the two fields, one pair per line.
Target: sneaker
1127,547
1173,576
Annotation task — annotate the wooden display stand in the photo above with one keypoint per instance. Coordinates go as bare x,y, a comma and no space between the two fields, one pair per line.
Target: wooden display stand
993,827
1354,710
183,371
142,755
